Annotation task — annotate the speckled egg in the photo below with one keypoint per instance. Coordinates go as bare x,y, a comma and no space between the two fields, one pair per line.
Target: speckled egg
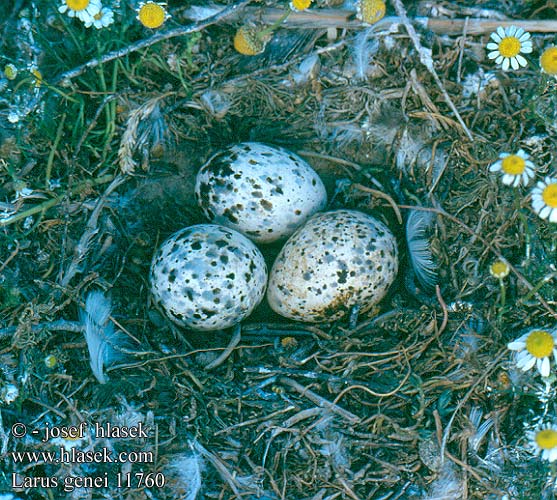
264,192
207,277
336,261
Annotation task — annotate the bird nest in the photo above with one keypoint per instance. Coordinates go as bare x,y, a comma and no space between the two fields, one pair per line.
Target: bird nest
103,131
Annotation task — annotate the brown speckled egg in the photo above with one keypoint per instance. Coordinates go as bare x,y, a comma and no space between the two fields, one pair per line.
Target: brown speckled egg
264,192
336,261
207,277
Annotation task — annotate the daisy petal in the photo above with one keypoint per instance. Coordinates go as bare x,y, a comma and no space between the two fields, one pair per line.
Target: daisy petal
507,179
527,364
521,60
544,212
496,38
495,167
543,366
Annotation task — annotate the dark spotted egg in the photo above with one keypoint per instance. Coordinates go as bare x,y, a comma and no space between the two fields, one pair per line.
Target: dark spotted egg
264,192
336,261
207,277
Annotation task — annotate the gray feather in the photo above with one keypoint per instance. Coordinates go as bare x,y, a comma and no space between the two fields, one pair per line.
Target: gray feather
100,335
419,250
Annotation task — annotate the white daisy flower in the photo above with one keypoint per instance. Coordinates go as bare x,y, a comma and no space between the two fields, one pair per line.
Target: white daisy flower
507,45
103,18
516,169
544,441
544,199
499,269
535,348
84,10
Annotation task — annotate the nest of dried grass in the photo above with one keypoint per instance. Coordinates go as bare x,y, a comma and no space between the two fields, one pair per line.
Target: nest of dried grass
419,400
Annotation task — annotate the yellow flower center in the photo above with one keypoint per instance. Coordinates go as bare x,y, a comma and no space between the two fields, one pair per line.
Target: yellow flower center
247,43
509,46
10,71
499,269
540,344
371,11
547,439
513,165
301,4
548,61
549,195
98,16
50,361
77,5
152,15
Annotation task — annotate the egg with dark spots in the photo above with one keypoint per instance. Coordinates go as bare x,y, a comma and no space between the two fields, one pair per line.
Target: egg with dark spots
336,261
208,277
265,192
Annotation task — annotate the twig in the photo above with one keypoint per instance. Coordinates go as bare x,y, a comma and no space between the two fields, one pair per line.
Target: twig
253,421
236,337
147,42
444,308
12,255
91,229
58,325
427,61
484,26
54,201
218,464
466,397
283,330
319,400
461,50
373,393
343,18
380,194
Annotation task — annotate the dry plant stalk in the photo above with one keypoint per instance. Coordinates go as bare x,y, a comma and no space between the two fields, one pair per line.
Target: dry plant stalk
427,61
342,18
128,143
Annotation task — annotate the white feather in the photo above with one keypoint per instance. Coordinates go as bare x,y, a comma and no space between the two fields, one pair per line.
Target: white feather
419,250
102,340
345,134
364,49
306,70
185,471
447,486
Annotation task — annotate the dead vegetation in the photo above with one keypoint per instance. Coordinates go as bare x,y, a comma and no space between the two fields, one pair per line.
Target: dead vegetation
419,400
